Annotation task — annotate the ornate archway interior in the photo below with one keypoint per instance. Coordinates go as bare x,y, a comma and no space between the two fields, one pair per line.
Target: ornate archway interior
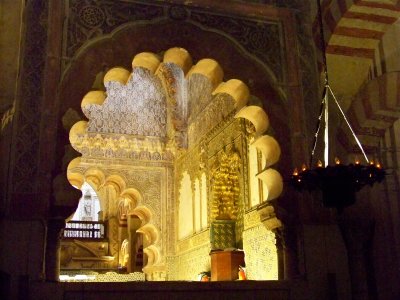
181,158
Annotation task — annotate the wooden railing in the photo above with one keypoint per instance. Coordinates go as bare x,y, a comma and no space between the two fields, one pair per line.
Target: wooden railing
84,230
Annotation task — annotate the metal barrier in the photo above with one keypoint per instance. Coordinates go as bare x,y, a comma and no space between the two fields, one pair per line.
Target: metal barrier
84,230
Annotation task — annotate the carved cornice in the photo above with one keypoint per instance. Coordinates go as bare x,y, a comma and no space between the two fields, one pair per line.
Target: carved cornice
251,219
268,217
123,147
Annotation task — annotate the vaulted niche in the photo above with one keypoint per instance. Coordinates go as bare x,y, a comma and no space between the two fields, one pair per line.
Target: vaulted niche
180,162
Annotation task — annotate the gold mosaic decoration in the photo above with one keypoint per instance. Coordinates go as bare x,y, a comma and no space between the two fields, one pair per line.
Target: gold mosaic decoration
226,187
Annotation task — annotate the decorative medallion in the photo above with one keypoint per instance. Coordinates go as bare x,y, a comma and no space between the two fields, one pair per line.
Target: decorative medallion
91,16
178,13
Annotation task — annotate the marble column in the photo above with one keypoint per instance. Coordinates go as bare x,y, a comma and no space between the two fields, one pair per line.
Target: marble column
358,236
289,248
133,225
280,252
52,259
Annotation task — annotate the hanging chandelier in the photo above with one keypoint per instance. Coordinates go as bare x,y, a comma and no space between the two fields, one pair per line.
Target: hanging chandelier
339,182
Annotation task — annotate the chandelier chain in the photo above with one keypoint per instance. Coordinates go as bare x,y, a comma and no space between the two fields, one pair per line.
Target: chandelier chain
321,112
348,124
324,103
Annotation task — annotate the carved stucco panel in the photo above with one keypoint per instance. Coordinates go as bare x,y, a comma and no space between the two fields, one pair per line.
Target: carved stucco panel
149,184
137,108
170,215
172,267
30,94
199,96
176,87
220,109
261,253
193,262
263,39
